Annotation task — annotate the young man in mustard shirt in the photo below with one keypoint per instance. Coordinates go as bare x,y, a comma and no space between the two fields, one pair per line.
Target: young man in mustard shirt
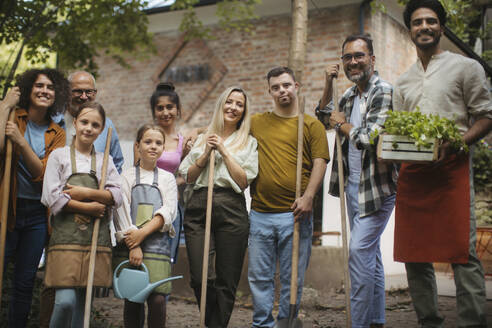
274,206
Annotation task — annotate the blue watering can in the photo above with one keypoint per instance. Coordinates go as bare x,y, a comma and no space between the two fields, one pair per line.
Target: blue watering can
133,284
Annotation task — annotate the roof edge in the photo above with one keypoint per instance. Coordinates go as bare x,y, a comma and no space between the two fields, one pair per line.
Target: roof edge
165,9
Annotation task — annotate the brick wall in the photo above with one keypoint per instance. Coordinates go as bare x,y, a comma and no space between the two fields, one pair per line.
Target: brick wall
244,59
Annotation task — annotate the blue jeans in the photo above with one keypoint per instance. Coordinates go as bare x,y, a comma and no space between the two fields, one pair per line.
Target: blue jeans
24,246
179,238
367,298
270,238
69,308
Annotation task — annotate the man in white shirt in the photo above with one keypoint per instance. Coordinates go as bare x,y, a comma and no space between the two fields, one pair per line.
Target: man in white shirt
435,219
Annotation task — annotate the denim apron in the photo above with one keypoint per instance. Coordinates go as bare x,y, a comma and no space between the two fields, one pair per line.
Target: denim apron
145,201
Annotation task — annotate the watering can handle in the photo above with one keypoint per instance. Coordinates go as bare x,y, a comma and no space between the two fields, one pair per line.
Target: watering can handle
115,286
125,262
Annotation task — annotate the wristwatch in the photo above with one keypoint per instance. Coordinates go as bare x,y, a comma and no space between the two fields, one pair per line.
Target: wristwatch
338,126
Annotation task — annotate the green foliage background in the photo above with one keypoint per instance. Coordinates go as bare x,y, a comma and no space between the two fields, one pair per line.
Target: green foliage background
482,178
463,20
77,31
482,168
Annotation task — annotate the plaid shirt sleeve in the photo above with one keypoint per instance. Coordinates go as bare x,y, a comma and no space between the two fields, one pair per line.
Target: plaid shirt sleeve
379,103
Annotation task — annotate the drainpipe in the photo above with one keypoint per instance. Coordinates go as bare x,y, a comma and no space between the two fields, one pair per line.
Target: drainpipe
362,9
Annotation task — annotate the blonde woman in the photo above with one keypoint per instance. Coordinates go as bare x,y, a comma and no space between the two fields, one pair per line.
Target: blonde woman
236,165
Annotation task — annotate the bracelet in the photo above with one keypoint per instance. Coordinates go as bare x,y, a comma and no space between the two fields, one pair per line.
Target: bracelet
200,167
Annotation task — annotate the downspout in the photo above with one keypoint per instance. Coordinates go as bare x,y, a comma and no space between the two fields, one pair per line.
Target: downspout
362,9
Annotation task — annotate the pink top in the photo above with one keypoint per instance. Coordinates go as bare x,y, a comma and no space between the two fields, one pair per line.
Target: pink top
170,160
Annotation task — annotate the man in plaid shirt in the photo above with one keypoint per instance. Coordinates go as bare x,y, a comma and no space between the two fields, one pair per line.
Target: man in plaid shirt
370,185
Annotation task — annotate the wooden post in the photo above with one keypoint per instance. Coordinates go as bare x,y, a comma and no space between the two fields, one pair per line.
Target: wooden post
298,41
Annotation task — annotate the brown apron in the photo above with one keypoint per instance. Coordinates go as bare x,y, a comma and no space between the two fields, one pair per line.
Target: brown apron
432,213
67,263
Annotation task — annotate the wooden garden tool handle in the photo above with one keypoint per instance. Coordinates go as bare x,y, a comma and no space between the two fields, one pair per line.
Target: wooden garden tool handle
5,202
206,246
341,186
295,237
95,234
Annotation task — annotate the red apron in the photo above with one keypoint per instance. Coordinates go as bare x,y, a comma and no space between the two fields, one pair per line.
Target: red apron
432,214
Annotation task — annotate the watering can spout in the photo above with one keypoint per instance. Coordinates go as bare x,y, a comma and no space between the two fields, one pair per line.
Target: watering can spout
143,294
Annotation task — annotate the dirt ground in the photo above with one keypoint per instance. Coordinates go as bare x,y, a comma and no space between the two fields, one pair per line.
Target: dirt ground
317,311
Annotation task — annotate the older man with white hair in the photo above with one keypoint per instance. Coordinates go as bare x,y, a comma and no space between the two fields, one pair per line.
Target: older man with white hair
83,86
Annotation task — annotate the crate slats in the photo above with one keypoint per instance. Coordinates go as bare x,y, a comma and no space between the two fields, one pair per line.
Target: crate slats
406,150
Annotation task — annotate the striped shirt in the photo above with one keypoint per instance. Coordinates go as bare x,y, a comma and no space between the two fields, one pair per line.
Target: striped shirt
377,179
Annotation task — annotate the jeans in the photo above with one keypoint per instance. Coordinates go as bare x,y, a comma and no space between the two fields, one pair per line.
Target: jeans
24,246
469,280
367,297
69,308
270,238
179,238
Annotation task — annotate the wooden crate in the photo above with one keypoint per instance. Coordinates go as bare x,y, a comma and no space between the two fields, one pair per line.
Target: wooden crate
406,151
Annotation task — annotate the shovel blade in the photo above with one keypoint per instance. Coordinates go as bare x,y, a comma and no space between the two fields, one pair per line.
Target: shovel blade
291,321
284,323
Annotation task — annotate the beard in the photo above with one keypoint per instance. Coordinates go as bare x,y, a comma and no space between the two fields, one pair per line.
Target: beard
364,75
73,108
428,45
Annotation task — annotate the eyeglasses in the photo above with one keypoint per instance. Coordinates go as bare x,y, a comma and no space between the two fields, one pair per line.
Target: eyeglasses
347,58
80,92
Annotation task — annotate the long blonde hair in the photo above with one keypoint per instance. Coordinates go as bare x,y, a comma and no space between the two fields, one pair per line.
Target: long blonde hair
216,126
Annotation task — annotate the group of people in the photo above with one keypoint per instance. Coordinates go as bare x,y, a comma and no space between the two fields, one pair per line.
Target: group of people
55,194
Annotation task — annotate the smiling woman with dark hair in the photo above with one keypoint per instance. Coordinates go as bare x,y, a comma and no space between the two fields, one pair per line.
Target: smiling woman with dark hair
40,93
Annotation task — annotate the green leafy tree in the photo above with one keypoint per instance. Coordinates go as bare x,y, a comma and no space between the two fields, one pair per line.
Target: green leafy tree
76,30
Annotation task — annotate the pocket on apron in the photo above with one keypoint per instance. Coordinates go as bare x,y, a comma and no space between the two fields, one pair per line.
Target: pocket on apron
144,213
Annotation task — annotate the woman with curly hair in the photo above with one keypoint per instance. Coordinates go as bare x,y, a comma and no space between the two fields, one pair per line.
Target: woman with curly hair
39,94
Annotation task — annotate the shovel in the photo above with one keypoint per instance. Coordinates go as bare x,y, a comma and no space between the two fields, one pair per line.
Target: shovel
95,235
206,246
292,321
341,187
5,202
